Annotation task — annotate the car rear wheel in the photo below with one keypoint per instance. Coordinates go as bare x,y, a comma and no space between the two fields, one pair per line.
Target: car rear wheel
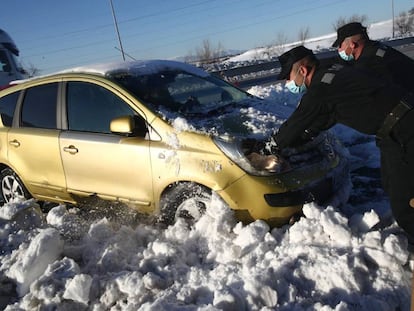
188,201
12,187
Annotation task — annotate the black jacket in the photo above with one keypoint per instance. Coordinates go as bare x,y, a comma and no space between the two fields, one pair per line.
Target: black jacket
340,94
388,63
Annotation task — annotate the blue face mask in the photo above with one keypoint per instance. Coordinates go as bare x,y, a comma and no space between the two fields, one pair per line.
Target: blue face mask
345,56
296,89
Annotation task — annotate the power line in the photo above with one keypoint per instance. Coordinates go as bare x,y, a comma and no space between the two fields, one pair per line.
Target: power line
126,36
191,34
239,27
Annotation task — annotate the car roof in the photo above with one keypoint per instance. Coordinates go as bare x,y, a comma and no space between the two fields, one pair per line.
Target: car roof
137,68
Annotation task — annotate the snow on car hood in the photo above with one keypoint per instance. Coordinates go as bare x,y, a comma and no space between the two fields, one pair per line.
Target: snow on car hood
251,118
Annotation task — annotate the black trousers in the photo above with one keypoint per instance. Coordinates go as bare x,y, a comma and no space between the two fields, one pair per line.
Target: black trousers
397,170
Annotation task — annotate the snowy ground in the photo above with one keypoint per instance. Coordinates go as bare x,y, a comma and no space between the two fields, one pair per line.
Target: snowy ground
353,258
377,31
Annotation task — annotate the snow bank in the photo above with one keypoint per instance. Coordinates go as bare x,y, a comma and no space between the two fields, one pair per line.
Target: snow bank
322,261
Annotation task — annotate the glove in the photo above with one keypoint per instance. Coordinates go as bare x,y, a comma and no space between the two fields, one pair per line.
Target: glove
309,134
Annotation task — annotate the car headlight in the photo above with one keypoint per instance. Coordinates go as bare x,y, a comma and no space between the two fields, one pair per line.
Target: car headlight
253,163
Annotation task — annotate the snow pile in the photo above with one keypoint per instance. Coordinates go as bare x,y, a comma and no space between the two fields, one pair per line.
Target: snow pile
321,261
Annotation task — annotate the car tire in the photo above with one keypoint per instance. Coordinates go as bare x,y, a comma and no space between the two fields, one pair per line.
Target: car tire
187,201
11,186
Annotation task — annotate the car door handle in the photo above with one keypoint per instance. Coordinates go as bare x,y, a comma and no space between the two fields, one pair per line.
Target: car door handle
14,143
71,149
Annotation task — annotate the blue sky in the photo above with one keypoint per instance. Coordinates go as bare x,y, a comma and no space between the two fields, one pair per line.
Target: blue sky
53,35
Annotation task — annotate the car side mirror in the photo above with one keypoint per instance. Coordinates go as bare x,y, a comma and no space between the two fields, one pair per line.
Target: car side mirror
123,125
129,126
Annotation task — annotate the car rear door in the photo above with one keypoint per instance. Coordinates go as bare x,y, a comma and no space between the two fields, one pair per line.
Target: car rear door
96,161
33,142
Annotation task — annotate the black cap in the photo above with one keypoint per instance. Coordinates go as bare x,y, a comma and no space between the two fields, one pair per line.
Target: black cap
290,57
349,30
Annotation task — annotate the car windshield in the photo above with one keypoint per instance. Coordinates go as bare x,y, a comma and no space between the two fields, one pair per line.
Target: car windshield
181,92
201,103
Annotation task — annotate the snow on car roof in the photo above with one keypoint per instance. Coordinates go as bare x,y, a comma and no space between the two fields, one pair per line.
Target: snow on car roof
137,68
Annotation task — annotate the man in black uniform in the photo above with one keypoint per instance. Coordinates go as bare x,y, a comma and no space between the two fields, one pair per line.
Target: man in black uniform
355,46
346,95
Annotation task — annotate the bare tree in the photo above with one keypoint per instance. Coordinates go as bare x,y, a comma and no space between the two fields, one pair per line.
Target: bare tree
280,44
339,22
354,18
219,51
303,34
404,23
31,70
207,53
189,58
358,18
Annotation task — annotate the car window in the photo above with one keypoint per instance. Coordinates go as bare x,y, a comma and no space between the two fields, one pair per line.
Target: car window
39,106
91,107
7,106
187,86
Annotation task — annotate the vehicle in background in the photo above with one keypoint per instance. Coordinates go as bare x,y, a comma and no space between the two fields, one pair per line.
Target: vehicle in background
10,68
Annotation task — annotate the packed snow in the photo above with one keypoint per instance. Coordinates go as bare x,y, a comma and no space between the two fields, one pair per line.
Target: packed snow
349,258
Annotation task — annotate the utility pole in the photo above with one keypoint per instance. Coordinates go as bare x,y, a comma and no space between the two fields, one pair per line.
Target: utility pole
392,7
117,30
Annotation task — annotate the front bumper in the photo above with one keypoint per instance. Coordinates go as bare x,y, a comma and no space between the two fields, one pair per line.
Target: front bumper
276,200
321,191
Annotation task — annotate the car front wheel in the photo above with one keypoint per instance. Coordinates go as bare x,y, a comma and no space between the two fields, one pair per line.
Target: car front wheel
11,186
187,201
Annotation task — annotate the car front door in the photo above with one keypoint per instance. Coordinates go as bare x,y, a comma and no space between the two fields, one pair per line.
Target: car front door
96,161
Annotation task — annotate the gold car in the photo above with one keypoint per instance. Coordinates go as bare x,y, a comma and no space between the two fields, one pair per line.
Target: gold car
159,136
